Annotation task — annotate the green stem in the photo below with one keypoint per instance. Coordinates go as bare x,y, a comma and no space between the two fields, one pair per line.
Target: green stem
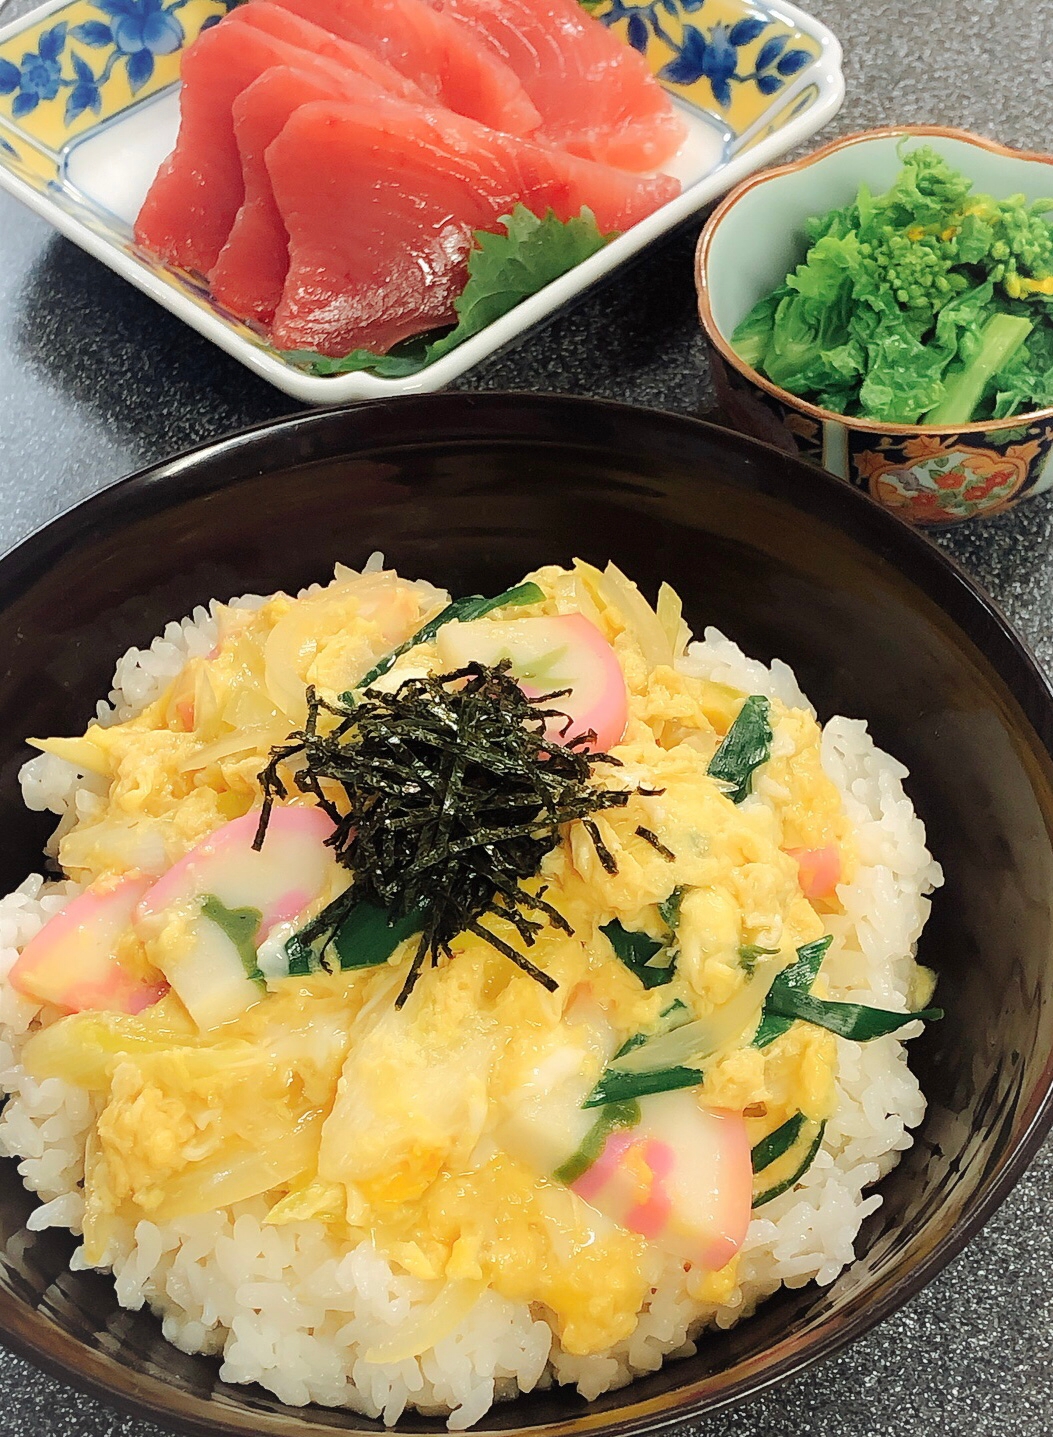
1001,337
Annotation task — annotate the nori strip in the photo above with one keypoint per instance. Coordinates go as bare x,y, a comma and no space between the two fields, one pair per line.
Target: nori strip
445,798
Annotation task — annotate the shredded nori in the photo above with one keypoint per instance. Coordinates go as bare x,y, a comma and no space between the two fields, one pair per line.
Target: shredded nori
446,796
656,843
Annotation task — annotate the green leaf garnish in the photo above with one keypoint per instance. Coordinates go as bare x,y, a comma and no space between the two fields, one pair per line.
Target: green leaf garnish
847,1020
748,955
776,1143
241,926
789,999
809,1156
798,978
747,744
617,1086
368,936
614,1117
635,950
669,908
503,270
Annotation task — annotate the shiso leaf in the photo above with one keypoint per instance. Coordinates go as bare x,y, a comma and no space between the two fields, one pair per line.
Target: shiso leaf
503,270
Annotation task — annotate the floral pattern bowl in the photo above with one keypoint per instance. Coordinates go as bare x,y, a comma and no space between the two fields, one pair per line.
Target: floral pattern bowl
926,474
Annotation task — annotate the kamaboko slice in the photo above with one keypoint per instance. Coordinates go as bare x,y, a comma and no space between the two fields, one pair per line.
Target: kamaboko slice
191,206
596,95
454,66
249,275
380,201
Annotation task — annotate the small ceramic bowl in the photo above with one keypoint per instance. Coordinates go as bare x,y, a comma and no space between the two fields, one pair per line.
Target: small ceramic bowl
924,473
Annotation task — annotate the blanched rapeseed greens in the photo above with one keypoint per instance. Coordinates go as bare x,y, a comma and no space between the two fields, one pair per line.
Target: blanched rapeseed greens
927,304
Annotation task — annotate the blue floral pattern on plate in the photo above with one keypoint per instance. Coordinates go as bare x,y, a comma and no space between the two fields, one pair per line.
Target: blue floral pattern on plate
133,34
712,54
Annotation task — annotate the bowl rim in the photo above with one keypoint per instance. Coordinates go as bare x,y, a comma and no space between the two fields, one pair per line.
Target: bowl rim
339,432
716,337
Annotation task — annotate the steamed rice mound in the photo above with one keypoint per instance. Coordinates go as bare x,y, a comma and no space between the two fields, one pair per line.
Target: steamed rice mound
316,1316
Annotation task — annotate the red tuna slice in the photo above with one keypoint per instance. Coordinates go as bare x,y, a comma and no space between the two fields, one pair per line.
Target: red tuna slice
596,95
250,273
192,203
287,25
190,207
454,66
380,202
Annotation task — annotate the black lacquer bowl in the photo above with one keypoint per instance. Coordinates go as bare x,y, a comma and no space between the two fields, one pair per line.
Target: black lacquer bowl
471,492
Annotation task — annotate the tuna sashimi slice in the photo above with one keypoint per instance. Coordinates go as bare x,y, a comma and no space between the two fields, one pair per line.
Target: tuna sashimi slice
190,207
287,25
380,202
596,95
453,65
250,273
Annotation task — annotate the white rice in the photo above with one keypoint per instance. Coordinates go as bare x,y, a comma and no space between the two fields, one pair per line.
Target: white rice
291,1309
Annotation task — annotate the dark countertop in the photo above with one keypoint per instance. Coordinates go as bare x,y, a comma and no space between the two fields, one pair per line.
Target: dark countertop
96,381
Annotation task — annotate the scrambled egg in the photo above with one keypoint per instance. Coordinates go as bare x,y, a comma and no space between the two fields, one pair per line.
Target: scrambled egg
384,1122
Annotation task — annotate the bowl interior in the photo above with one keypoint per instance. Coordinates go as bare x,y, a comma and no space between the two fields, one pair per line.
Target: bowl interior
784,559
761,236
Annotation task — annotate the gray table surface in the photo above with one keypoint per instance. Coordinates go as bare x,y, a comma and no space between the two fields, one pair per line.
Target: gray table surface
96,381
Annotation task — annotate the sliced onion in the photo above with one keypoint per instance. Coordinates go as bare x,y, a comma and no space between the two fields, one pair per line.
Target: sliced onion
670,611
203,1188
703,1036
82,753
623,594
430,1324
244,742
